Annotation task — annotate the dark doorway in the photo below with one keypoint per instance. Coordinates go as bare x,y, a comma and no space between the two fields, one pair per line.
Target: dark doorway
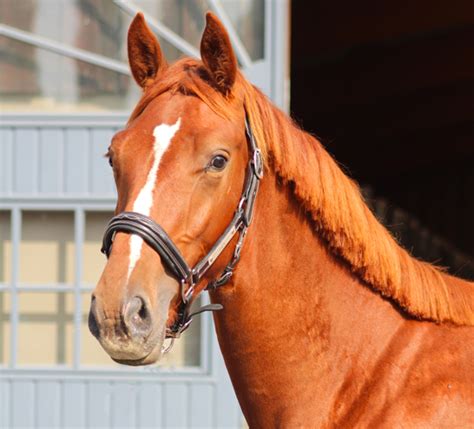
389,89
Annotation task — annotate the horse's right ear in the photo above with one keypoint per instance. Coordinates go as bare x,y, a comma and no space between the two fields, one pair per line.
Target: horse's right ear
144,52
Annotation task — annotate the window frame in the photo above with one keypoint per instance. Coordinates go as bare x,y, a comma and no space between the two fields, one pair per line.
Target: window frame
77,289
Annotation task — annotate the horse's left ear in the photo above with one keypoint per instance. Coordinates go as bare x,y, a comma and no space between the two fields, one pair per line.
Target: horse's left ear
217,54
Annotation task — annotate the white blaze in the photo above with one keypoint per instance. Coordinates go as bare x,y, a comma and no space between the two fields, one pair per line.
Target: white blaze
163,134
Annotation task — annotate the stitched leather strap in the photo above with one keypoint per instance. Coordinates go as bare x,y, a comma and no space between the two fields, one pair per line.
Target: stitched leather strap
153,234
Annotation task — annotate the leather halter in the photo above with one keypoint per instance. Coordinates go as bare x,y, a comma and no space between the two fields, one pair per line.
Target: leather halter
188,277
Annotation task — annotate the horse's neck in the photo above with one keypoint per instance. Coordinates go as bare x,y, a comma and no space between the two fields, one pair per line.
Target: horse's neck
290,316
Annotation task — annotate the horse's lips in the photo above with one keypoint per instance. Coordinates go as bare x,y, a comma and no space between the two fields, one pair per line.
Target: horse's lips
148,359
153,345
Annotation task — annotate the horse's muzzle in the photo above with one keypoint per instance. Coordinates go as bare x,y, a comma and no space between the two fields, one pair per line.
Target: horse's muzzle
129,337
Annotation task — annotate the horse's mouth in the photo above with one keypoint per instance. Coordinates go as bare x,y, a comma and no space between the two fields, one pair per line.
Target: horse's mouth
148,359
135,354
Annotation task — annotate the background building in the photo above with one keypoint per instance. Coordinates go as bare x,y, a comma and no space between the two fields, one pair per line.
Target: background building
65,89
387,86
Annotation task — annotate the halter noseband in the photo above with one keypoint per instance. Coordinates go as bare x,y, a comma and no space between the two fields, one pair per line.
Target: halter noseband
157,238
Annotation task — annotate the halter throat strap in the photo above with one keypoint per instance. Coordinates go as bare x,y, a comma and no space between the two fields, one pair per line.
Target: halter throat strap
175,264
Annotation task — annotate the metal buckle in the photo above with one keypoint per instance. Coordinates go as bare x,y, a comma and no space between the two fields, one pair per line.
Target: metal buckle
189,293
167,348
257,163
186,294
222,280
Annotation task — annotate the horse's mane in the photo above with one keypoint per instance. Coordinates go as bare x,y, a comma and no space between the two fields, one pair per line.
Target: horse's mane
332,200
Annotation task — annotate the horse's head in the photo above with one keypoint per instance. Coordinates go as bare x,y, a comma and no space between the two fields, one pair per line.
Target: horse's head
181,161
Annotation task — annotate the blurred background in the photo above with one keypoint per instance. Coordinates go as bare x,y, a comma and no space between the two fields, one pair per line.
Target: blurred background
387,87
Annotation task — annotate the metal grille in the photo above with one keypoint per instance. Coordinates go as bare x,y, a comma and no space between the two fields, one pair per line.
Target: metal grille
15,288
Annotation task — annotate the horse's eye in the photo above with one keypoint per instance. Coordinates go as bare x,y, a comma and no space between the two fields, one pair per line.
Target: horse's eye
218,162
110,161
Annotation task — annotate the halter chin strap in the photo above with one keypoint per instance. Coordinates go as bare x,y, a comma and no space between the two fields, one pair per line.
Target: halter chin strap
175,264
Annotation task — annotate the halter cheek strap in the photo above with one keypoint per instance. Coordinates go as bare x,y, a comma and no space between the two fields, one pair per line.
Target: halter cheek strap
175,264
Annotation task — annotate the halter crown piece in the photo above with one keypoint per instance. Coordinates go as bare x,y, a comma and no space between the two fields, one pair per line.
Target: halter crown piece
157,238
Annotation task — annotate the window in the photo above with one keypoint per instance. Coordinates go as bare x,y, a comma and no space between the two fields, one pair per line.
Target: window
72,55
43,314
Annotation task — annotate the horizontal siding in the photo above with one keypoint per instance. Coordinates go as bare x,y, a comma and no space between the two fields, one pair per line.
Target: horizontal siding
123,407
99,404
73,404
22,404
76,156
25,161
6,157
201,406
44,403
51,155
176,404
149,406
48,399
5,398
54,161
95,399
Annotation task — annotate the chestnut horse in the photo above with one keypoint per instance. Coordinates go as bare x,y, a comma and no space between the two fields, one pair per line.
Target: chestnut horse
327,321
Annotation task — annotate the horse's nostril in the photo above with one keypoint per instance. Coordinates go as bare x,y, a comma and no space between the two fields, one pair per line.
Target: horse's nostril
92,320
143,313
137,317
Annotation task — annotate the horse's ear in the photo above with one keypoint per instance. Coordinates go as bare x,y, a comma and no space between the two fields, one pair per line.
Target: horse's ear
144,52
217,54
